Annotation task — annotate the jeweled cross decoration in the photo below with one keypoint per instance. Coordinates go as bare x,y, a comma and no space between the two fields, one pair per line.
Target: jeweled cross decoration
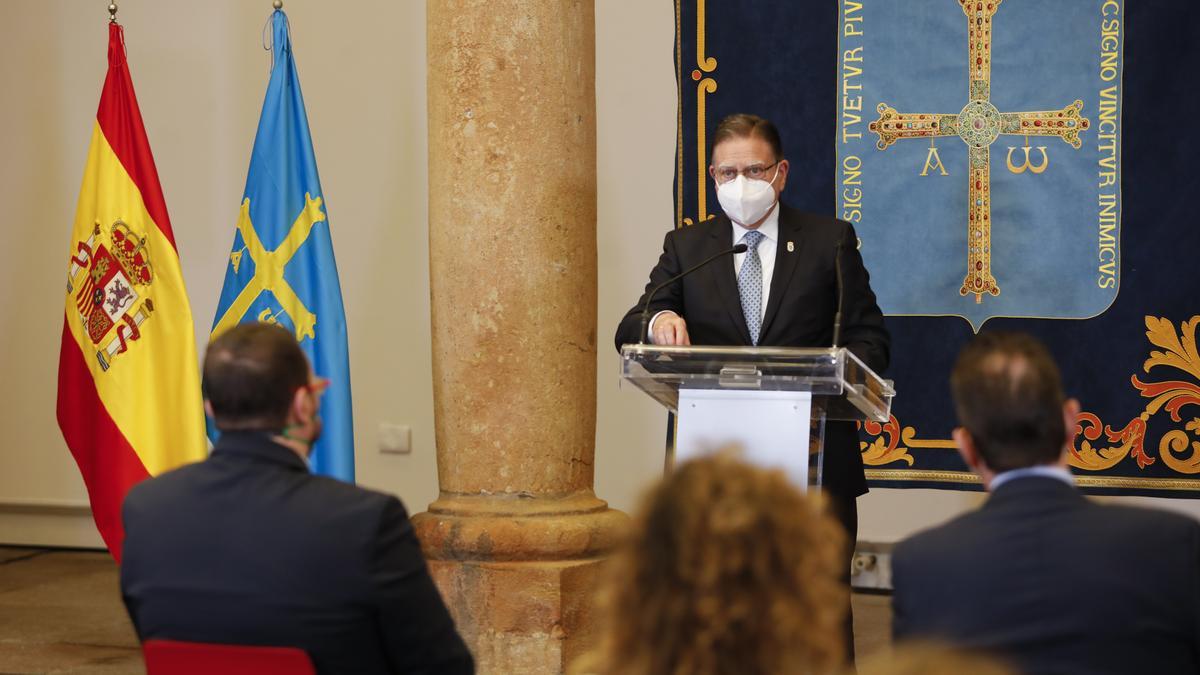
978,125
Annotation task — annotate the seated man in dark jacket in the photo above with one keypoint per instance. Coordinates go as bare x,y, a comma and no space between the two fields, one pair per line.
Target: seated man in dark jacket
248,547
1040,574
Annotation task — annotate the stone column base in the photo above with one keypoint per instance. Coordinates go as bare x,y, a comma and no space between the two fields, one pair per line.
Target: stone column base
532,617
518,575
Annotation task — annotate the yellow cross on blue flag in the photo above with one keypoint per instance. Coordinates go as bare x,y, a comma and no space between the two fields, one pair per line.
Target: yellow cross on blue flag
282,269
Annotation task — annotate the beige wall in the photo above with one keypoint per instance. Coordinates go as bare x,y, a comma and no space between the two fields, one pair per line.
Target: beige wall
200,74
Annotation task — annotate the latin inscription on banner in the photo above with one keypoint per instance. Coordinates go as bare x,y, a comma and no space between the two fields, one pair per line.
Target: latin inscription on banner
979,154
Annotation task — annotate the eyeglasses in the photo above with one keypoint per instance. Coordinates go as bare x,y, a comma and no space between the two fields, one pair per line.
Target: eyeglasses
725,174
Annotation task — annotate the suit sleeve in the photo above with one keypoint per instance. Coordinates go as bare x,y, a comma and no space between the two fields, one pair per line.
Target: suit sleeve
416,629
669,298
863,332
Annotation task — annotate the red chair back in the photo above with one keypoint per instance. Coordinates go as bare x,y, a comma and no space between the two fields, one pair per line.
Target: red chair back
171,657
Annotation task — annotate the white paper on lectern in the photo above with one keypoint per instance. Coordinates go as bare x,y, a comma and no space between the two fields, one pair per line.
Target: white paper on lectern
771,427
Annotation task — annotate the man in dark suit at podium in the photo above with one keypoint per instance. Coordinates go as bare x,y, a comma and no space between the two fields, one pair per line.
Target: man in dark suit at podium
782,292
248,547
1040,574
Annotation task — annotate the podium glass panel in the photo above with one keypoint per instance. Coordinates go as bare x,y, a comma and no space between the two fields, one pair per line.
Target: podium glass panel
758,398
845,386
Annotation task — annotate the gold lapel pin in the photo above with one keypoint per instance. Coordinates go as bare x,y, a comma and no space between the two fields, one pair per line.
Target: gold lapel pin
791,247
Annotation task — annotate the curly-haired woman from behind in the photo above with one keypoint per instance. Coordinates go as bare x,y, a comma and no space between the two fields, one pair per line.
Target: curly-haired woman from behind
728,570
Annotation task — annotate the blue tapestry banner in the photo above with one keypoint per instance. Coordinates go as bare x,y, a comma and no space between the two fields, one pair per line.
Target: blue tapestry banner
1008,165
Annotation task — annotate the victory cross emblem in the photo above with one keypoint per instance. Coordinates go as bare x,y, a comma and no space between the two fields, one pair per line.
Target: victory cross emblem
269,268
110,276
978,125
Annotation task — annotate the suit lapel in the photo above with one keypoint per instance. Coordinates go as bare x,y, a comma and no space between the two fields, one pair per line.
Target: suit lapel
785,264
722,273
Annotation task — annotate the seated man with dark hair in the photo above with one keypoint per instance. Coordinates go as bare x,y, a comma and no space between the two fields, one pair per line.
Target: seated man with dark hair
248,547
1040,574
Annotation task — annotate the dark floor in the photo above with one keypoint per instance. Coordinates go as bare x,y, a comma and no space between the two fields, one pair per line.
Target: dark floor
61,612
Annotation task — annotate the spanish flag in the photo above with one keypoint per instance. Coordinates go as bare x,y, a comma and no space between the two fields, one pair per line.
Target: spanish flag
129,402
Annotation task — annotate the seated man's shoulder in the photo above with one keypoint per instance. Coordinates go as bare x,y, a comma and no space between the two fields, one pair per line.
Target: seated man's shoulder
164,486
937,542
332,490
316,499
1108,524
1140,521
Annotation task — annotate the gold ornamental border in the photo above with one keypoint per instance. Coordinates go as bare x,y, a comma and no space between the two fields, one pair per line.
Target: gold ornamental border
967,478
1098,447
678,118
705,85
964,477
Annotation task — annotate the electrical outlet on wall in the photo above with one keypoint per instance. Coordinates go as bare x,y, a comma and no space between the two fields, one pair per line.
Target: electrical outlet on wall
395,439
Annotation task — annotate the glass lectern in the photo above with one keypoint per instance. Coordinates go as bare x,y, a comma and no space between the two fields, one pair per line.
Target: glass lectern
771,402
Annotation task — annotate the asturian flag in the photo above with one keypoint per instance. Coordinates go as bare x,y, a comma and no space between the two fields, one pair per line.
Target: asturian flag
282,269
128,387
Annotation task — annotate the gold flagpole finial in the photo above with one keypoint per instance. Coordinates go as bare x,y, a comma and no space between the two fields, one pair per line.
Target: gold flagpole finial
112,12
278,4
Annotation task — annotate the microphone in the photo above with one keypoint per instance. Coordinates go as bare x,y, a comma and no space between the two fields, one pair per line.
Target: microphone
740,248
837,318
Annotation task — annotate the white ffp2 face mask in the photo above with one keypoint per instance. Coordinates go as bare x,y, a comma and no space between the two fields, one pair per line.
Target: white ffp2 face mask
746,200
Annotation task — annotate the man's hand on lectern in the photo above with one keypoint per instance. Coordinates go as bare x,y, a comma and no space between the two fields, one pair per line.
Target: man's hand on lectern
670,329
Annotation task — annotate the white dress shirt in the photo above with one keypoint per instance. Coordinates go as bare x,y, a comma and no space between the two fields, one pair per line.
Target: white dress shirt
1041,471
766,255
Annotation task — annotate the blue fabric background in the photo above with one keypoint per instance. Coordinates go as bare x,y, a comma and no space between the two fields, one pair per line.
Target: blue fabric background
779,59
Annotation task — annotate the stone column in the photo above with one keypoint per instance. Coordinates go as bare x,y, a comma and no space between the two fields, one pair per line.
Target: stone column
516,535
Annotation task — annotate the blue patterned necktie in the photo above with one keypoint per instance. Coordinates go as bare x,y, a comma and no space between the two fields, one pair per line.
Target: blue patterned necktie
750,284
